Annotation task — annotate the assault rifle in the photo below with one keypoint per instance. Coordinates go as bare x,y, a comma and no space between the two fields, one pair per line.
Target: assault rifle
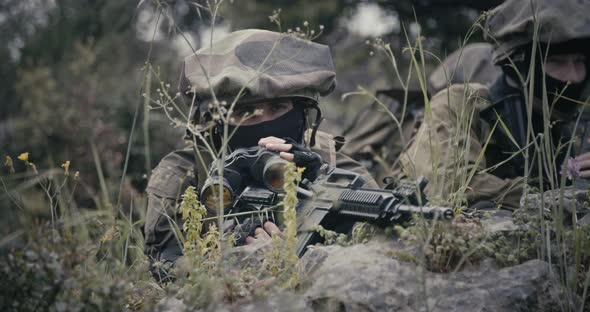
335,200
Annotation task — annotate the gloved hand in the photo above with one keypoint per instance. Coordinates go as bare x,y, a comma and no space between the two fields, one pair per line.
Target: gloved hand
245,229
266,231
297,153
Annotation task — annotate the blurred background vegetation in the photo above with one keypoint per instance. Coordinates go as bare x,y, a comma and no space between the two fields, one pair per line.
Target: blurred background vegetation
72,71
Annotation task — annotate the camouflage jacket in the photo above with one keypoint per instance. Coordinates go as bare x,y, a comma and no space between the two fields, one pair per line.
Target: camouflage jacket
474,137
181,169
375,140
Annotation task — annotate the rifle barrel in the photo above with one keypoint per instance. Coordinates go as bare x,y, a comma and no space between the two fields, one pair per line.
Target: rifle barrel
428,212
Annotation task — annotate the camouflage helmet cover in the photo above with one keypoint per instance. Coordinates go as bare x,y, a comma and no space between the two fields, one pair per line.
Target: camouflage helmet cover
512,23
472,63
268,65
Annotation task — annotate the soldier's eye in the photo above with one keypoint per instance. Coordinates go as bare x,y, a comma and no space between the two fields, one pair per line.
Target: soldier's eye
280,107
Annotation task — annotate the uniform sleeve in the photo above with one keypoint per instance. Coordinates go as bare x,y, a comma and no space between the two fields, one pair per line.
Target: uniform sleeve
376,141
447,148
173,175
371,130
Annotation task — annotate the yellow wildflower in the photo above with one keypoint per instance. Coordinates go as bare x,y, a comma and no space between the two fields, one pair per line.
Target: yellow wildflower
66,167
24,156
300,170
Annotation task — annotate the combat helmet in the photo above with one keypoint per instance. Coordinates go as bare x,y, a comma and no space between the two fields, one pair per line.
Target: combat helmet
511,25
521,30
471,63
255,65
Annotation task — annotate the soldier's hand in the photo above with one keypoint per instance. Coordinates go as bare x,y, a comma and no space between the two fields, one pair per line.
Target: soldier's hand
278,145
268,230
584,163
297,153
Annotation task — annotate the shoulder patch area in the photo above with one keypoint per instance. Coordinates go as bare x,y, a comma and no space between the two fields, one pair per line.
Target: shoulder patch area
173,175
324,146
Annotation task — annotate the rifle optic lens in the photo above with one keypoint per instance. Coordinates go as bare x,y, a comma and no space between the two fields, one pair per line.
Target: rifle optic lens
211,200
274,176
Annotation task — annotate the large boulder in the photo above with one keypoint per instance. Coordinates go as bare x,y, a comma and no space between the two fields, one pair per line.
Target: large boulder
367,278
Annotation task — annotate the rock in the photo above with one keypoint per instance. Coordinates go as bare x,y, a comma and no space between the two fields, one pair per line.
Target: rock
364,278
499,221
503,225
278,301
170,304
573,201
584,221
314,256
283,301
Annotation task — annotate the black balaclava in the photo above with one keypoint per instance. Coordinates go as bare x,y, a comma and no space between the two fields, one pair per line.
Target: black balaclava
554,87
290,125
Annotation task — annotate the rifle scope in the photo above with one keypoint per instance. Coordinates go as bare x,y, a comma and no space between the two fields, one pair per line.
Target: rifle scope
243,167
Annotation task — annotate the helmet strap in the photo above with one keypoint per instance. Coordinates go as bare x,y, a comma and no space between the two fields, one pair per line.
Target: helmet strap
316,124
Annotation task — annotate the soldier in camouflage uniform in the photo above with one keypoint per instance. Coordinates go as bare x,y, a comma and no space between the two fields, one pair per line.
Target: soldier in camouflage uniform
486,131
376,141
278,79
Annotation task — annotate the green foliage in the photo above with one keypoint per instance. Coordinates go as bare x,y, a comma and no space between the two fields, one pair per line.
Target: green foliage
577,263
76,261
207,276
331,237
447,247
444,245
199,272
192,214
62,276
361,233
281,261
